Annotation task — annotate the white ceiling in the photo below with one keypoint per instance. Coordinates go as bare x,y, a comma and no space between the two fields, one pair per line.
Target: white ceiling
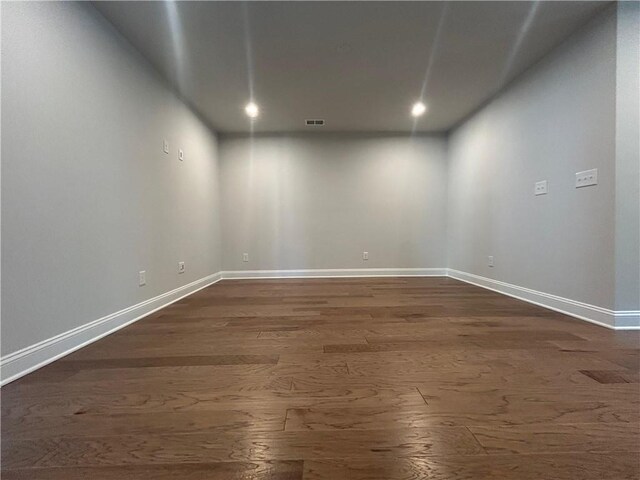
358,65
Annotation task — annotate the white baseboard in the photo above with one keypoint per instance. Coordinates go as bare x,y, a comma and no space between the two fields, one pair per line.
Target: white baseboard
627,319
335,273
22,362
617,320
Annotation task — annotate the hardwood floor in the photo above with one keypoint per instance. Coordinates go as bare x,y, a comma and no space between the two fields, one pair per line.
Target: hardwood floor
359,379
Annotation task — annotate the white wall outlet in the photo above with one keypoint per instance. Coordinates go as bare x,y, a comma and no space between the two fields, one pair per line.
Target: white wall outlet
181,155
245,257
490,260
587,178
142,278
365,255
165,146
540,188
181,267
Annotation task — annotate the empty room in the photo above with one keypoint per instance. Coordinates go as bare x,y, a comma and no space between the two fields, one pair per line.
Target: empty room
324,240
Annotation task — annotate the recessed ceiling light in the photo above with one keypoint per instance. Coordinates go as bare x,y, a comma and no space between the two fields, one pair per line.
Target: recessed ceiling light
418,109
252,110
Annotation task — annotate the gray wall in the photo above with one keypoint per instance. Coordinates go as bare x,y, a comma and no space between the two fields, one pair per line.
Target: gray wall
628,157
296,202
556,120
88,196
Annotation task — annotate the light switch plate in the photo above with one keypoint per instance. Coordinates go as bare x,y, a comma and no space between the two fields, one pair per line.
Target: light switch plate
142,278
365,255
181,155
490,260
540,188
587,178
181,267
245,257
165,146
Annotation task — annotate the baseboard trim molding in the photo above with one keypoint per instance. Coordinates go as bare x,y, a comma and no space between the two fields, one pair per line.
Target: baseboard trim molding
616,320
334,273
627,319
22,362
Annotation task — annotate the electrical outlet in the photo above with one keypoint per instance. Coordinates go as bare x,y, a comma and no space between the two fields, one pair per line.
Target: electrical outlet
490,260
181,155
540,188
181,267
365,255
245,257
165,146
587,178
142,278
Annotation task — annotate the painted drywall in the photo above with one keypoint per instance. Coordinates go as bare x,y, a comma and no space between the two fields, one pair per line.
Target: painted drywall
88,196
315,202
556,120
627,173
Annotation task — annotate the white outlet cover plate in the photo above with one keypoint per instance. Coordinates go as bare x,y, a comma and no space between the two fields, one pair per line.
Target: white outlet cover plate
587,178
180,155
142,278
540,188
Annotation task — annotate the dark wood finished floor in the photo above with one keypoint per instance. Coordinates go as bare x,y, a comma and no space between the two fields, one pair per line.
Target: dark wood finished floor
359,379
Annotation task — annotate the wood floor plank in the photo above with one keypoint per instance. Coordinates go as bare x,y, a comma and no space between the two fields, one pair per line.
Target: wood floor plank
449,397
174,361
432,345
262,347
83,424
206,400
474,374
496,336
276,470
174,385
499,414
573,466
612,376
236,446
554,438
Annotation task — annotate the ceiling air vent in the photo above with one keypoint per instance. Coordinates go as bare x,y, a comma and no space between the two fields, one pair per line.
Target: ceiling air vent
314,123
